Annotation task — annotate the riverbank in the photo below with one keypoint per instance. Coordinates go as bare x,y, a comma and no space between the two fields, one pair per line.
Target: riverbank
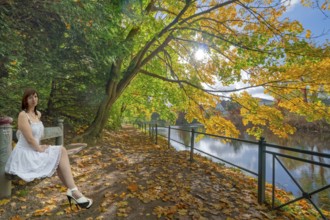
129,177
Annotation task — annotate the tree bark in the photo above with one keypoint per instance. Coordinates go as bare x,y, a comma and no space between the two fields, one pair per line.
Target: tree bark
94,131
114,88
50,103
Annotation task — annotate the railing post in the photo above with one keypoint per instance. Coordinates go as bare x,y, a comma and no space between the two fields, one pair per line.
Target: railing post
5,150
192,143
60,140
261,170
150,130
156,133
169,136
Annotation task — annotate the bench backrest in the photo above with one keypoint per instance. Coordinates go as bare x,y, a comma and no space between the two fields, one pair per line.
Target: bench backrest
50,132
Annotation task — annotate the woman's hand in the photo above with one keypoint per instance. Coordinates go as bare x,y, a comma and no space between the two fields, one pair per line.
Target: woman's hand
42,148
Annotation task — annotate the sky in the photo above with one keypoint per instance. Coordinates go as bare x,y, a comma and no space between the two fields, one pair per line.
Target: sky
311,19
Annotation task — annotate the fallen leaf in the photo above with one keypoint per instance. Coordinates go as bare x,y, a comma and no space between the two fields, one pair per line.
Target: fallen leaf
4,201
22,199
183,211
41,196
133,187
16,217
60,213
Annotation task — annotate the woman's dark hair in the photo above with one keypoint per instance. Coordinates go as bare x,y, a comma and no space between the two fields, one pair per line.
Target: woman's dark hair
26,94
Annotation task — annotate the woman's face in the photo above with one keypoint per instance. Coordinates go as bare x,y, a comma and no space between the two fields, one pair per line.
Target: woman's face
32,100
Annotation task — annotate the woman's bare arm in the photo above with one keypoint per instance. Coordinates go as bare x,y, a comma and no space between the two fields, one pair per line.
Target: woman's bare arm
25,127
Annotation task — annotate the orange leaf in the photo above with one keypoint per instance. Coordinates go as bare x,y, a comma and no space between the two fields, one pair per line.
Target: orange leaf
16,217
132,187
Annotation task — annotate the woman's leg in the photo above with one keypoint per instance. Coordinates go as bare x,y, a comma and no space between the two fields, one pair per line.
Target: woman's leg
61,177
65,170
65,174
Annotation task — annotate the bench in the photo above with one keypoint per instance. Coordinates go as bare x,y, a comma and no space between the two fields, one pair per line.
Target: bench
49,133
7,135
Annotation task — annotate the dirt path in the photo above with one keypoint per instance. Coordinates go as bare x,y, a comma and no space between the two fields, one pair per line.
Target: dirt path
129,177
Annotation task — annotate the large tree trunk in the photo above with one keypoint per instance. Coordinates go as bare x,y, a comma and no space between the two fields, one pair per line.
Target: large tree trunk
50,103
118,80
113,90
101,118
94,131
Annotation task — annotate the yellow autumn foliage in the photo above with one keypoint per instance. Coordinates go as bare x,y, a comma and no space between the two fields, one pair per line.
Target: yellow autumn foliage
262,116
246,41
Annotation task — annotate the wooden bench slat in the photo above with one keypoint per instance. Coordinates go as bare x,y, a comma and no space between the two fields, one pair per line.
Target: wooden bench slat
52,132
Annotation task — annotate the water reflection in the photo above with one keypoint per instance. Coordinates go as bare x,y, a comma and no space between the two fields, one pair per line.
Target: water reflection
309,177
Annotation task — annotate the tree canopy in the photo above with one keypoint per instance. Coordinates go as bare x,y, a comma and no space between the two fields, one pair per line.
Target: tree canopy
94,59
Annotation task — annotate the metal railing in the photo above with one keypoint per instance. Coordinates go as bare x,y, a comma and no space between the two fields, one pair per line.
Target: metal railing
263,150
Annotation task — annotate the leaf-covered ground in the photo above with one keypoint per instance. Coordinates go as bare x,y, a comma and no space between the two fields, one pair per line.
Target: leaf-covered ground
129,177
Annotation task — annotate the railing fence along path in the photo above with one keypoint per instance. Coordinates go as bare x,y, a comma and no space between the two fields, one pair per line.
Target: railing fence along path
263,149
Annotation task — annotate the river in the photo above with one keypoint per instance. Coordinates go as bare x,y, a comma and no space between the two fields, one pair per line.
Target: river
310,177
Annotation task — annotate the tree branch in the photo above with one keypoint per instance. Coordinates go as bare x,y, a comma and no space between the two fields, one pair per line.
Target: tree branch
209,10
226,40
202,89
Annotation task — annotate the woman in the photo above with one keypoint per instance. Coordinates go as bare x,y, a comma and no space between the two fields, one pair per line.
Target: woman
30,160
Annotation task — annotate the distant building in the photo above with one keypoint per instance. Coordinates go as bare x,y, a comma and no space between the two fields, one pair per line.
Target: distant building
326,101
266,102
220,107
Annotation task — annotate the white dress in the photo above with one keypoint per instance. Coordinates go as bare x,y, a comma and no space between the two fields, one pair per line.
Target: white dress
29,164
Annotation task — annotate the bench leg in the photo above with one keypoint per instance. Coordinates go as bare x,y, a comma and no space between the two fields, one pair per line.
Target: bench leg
5,150
5,189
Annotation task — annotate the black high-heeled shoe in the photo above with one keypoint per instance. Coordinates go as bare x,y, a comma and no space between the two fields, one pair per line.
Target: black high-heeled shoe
82,202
